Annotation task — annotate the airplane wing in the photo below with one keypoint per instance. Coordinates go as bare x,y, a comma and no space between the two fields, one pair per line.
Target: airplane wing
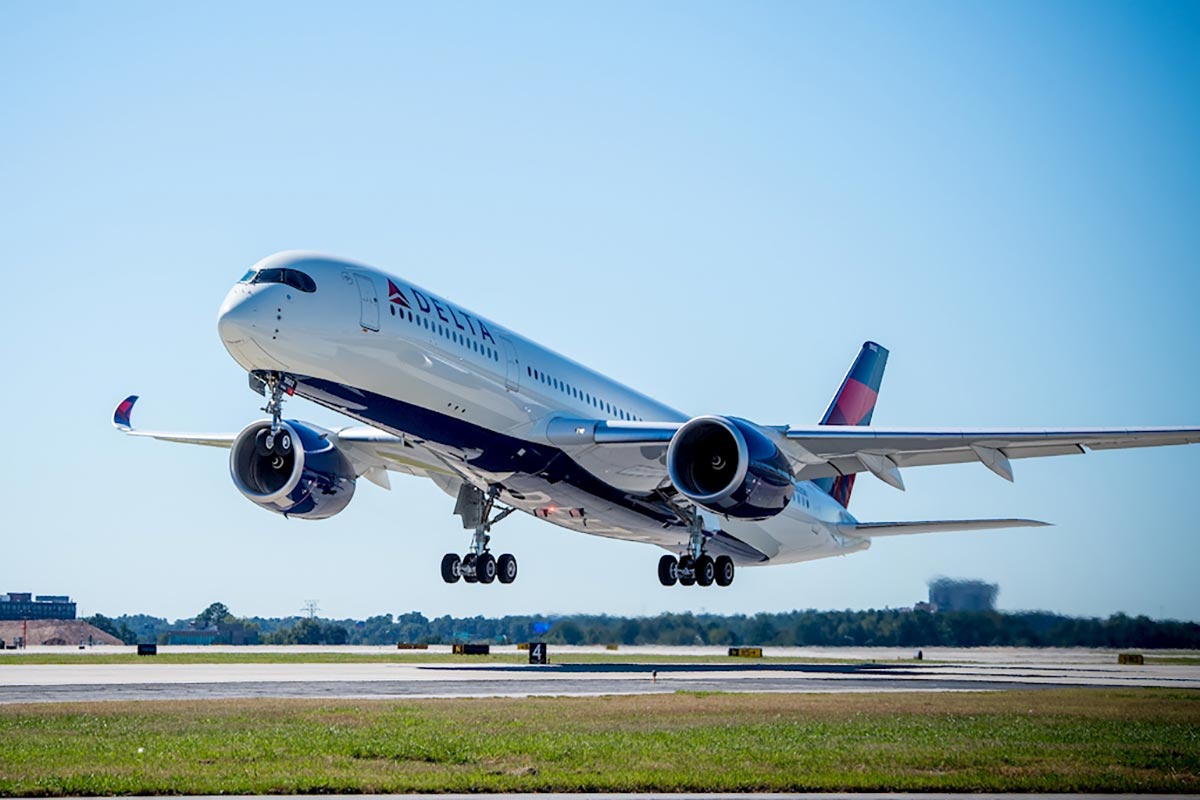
122,421
830,450
372,452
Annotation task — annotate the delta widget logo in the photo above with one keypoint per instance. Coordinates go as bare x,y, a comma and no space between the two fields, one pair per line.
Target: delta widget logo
396,296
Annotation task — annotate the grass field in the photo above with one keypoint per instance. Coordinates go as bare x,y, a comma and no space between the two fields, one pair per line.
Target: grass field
1186,661
505,656
1050,740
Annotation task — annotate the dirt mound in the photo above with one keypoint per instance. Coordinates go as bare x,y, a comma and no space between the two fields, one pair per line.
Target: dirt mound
56,631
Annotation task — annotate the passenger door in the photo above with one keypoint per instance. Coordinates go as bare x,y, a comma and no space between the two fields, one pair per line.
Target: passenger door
512,365
369,314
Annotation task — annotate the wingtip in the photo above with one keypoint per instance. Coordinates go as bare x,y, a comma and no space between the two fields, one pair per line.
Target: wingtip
123,413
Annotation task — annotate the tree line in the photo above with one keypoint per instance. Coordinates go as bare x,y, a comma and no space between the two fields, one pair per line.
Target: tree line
872,628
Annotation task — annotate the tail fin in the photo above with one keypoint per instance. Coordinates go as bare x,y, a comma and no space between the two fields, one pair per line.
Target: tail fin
854,404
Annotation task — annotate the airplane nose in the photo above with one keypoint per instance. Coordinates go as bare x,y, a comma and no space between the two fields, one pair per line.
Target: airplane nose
235,320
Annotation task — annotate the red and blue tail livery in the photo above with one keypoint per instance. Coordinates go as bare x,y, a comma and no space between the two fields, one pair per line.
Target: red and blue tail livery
854,404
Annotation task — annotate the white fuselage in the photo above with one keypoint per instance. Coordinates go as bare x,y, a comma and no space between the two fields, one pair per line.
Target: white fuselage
479,396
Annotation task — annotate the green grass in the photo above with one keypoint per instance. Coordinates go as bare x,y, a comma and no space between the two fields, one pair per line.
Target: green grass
1049,741
505,656
1188,661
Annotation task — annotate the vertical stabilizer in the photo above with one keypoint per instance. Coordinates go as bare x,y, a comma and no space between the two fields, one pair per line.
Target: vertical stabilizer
854,404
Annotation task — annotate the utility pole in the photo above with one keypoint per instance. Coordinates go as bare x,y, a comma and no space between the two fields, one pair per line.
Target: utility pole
310,609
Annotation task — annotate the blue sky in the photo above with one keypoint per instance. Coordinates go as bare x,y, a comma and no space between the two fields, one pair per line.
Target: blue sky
714,202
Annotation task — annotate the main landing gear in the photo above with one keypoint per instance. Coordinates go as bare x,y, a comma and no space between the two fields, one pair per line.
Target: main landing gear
687,571
479,565
695,566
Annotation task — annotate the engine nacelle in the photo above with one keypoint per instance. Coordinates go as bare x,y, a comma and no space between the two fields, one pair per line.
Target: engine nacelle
729,466
304,475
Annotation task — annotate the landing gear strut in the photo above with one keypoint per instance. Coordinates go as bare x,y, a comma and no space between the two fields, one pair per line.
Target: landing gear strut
276,387
695,566
479,565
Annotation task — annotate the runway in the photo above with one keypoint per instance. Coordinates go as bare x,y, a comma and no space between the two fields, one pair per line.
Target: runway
92,681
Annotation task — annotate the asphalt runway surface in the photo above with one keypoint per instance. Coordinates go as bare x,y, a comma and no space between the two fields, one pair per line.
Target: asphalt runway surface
84,682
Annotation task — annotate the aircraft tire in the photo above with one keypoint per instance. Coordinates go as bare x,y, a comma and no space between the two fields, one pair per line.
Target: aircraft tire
724,569
668,570
706,571
450,567
485,568
469,559
506,568
685,563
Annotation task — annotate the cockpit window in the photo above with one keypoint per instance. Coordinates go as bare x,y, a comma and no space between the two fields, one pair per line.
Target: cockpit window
246,278
292,277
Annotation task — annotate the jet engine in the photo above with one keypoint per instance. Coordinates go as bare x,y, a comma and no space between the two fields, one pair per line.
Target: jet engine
297,472
729,466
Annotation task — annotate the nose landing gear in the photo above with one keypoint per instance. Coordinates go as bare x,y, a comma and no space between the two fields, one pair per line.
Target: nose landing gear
479,565
276,387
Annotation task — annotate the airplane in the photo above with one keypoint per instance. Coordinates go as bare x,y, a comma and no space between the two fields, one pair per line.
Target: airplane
503,424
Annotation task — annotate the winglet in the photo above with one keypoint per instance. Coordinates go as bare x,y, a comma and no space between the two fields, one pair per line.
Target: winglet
121,417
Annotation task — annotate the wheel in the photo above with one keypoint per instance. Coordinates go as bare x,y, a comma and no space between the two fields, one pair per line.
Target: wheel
668,570
261,449
706,571
724,568
506,568
451,565
283,443
468,569
485,568
687,576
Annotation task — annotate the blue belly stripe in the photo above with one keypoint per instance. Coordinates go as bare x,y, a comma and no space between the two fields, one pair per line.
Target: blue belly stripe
499,453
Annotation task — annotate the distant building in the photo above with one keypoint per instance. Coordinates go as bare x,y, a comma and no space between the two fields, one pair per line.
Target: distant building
23,605
221,633
193,636
949,594
236,633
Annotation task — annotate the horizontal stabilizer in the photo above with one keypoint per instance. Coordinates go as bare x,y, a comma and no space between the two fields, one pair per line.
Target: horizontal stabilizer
872,529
